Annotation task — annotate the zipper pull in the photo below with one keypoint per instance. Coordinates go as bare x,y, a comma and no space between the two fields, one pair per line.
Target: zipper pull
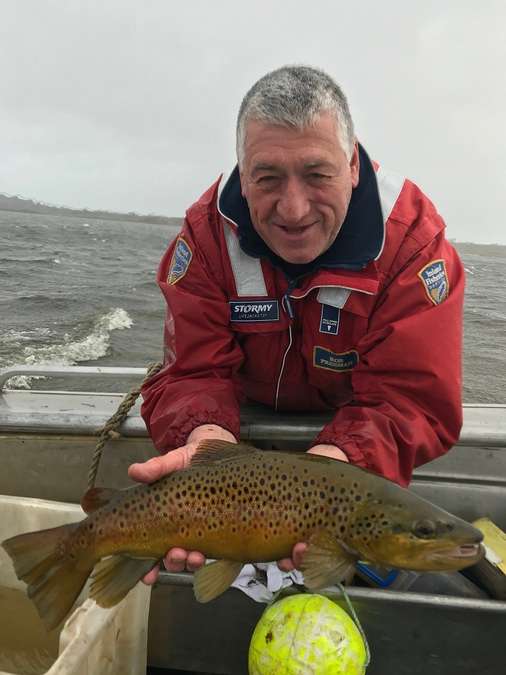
288,305
286,298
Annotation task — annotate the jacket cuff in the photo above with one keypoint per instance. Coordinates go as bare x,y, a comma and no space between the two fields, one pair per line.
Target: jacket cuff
179,435
346,444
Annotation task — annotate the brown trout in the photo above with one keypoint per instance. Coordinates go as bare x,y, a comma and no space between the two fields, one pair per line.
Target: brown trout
238,504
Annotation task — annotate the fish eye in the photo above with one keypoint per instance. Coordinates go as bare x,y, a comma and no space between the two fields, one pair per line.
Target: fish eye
424,529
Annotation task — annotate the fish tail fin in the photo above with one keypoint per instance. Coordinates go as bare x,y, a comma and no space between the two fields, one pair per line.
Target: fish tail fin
54,579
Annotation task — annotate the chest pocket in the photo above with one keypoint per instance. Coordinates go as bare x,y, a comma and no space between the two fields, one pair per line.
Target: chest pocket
338,320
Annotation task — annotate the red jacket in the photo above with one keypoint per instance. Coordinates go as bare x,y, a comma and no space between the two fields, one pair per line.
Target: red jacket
378,339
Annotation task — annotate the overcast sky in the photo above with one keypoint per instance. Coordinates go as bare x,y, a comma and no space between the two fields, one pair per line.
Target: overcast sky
131,106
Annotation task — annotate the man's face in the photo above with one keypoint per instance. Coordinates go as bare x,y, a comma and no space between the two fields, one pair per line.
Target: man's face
298,186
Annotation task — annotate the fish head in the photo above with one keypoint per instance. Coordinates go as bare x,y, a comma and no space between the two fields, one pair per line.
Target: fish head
410,533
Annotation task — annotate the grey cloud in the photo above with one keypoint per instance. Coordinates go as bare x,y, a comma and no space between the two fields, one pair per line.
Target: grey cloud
131,106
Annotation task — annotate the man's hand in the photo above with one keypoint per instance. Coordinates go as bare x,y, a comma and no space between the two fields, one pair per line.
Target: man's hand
177,559
288,564
328,451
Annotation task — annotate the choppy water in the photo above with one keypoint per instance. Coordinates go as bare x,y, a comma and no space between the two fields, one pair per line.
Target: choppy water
83,292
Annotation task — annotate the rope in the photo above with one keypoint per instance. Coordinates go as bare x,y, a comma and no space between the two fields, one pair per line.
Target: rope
351,609
110,429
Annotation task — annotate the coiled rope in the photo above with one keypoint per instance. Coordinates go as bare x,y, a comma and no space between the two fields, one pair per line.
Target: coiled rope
110,429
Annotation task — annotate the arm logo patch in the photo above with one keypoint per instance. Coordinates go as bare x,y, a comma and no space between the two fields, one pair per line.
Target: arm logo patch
435,281
181,259
339,363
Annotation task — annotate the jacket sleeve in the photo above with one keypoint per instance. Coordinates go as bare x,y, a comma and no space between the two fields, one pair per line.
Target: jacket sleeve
406,408
196,384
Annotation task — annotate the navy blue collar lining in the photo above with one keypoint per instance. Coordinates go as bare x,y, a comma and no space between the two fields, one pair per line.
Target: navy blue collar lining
359,241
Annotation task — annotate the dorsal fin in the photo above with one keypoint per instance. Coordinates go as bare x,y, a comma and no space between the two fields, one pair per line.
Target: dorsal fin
96,497
212,450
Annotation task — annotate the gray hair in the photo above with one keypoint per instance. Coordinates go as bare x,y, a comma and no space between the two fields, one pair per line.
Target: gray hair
294,96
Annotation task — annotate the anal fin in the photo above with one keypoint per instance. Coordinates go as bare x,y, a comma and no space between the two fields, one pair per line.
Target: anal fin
113,577
214,578
326,562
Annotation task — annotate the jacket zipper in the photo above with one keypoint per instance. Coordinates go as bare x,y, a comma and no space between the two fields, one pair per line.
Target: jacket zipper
285,302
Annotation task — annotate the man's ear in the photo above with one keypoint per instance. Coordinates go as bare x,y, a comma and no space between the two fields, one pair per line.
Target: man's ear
355,165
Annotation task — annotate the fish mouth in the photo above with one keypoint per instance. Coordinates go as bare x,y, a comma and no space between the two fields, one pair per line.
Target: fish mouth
472,552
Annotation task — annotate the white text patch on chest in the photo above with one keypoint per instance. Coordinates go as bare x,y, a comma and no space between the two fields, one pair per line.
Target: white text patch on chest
254,311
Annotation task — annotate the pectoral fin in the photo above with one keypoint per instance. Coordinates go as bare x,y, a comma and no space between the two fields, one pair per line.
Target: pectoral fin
326,562
113,577
214,578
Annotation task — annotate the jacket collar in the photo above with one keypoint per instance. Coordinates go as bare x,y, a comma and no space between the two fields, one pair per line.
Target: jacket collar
360,239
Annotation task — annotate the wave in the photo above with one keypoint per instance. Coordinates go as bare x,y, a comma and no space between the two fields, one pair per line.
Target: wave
27,260
16,337
92,347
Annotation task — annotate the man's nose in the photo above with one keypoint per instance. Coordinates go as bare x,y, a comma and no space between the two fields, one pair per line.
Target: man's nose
293,204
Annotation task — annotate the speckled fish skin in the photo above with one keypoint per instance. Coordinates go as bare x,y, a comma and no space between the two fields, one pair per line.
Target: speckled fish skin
257,506
238,504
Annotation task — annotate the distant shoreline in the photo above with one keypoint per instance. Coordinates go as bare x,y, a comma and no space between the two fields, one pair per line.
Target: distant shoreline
19,205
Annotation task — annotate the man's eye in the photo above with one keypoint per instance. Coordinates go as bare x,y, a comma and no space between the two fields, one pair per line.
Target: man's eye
318,176
267,179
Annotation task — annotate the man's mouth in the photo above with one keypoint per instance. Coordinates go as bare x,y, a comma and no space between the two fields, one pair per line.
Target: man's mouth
292,231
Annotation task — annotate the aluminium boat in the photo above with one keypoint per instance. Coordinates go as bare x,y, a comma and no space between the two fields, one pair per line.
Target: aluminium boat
47,438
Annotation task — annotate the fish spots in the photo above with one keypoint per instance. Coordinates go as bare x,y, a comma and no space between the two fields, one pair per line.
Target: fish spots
268,497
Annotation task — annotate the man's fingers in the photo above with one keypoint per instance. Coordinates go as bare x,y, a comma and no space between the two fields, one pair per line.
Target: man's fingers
151,576
156,467
195,561
286,565
298,554
289,564
175,560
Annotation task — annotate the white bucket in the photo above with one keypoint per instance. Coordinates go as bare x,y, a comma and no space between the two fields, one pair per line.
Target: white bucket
93,640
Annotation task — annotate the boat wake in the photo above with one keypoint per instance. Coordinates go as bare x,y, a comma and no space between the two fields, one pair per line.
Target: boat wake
70,351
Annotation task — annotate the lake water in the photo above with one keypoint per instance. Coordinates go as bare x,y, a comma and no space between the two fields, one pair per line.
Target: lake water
77,291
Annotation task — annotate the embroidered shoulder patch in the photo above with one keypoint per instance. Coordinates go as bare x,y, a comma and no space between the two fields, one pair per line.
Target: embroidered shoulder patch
181,259
435,281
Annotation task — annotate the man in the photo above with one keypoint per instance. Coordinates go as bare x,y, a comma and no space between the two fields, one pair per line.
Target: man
314,280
